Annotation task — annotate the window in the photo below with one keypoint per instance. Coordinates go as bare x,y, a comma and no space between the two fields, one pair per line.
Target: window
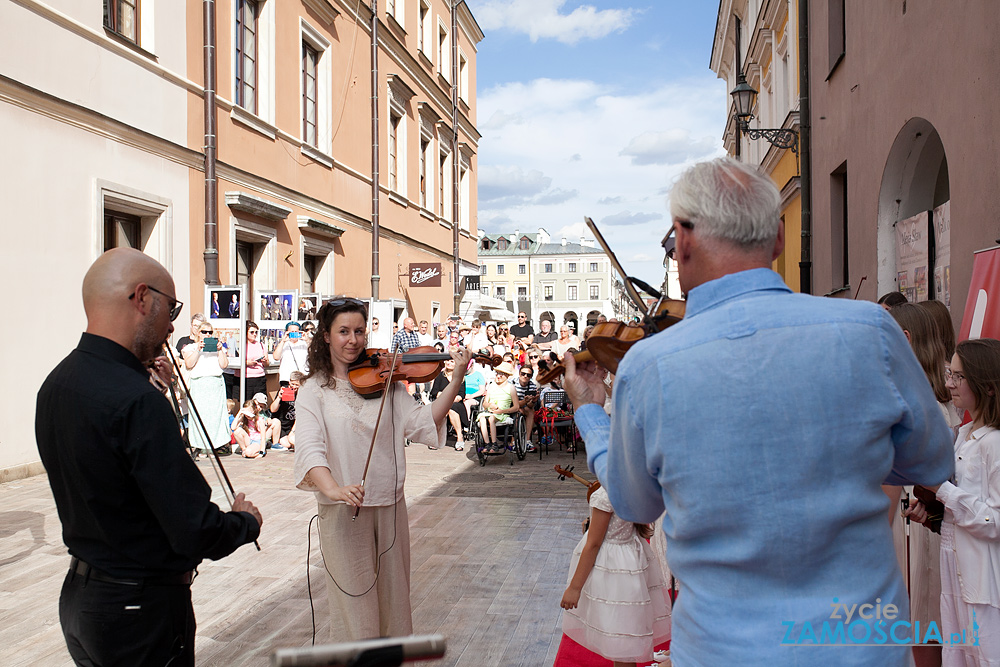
524,243
422,23
309,272
245,263
395,9
548,268
547,291
501,291
122,18
425,145
442,170
595,292
482,269
463,77
121,230
130,218
838,30
571,292
246,54
838,224
572,267
502,244
443,60
522,269
394,122
463,196
522,292
310,60
499,269
593,267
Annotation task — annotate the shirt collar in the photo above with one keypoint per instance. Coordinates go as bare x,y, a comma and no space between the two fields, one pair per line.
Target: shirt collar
109,349
714,292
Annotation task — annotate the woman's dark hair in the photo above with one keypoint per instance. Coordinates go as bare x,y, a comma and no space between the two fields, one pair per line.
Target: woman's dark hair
926,345
892,299
942,320
252,325
644,530
981,366
320,365
493,338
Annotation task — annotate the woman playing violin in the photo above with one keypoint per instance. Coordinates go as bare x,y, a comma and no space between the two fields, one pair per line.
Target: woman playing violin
367,560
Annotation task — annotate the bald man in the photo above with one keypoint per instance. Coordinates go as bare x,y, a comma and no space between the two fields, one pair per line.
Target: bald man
136,512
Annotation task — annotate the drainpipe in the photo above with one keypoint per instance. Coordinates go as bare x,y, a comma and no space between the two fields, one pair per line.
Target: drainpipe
375,193
211,253
805,151
456,158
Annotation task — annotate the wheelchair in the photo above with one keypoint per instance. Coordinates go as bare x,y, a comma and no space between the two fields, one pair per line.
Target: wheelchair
512,435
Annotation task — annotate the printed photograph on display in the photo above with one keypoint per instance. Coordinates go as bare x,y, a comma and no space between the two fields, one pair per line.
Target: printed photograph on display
275,306
308,307
224,305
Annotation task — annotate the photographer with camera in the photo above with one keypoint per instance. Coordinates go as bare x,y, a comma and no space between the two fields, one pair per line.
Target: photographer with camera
205,360
291,351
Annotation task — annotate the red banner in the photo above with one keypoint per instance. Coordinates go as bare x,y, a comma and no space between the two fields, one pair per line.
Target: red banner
982,308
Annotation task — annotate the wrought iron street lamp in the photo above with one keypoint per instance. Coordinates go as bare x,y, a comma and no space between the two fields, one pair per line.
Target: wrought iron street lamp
744,97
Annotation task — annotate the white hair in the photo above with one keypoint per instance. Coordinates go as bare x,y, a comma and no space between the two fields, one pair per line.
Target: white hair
728,200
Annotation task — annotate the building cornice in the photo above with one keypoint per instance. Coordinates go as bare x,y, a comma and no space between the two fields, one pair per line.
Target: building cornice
323,9
253,205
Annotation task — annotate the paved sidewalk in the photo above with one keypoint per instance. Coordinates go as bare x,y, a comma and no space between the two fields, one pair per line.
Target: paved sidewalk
490,554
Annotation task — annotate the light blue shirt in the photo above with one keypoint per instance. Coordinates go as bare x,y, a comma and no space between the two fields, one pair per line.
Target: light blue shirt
764,424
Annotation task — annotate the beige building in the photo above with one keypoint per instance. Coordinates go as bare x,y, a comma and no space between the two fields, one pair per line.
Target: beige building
759,38
105,145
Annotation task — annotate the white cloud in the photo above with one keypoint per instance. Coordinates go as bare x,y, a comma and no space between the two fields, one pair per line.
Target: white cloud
629,218
528,168
668,147
545,19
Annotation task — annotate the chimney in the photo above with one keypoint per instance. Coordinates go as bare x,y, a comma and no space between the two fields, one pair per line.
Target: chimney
512,239
564,241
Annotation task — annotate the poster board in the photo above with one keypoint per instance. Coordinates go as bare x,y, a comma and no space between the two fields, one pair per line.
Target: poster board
308,306
274,309
226,308
912,258
942,253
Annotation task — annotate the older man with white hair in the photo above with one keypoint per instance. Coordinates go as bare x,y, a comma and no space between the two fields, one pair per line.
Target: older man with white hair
764,424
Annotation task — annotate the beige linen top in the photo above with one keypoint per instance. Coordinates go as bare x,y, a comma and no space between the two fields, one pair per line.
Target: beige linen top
333,429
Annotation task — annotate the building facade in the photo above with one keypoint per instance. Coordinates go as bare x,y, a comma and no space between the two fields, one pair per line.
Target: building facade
561,282
904,144
107,145
760,39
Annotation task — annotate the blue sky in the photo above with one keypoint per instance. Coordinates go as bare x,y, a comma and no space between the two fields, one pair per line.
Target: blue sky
593,109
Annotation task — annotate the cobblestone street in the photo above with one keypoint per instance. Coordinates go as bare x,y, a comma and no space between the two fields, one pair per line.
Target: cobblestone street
490,553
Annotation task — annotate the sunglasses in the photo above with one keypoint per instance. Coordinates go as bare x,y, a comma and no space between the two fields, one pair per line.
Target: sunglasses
207,332
175,308
337,303
526,375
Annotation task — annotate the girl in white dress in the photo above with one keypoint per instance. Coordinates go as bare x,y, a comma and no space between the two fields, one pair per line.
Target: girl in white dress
616,602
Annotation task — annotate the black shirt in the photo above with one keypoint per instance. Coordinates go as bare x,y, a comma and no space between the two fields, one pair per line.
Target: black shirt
522,331
184,342
546,338
132,502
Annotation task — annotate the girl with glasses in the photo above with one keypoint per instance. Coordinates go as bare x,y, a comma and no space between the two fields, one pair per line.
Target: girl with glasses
970,531
256,354
208,391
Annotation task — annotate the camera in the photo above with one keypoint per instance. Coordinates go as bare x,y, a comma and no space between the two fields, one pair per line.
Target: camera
294,334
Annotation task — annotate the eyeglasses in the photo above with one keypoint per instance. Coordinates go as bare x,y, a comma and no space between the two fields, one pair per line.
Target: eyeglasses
526,375
957,378
175,308
207,332
375,323
308,330
532,356
252,331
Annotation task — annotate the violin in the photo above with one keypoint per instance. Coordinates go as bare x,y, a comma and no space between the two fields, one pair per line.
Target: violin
609,341
568,472
371,372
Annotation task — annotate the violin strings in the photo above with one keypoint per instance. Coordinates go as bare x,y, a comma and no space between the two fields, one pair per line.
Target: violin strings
378,561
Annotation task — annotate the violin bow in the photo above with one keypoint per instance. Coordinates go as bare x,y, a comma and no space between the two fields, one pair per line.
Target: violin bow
378,420
217,462
862,282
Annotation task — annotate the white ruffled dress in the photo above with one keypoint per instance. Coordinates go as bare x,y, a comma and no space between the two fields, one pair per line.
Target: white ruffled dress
624,608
